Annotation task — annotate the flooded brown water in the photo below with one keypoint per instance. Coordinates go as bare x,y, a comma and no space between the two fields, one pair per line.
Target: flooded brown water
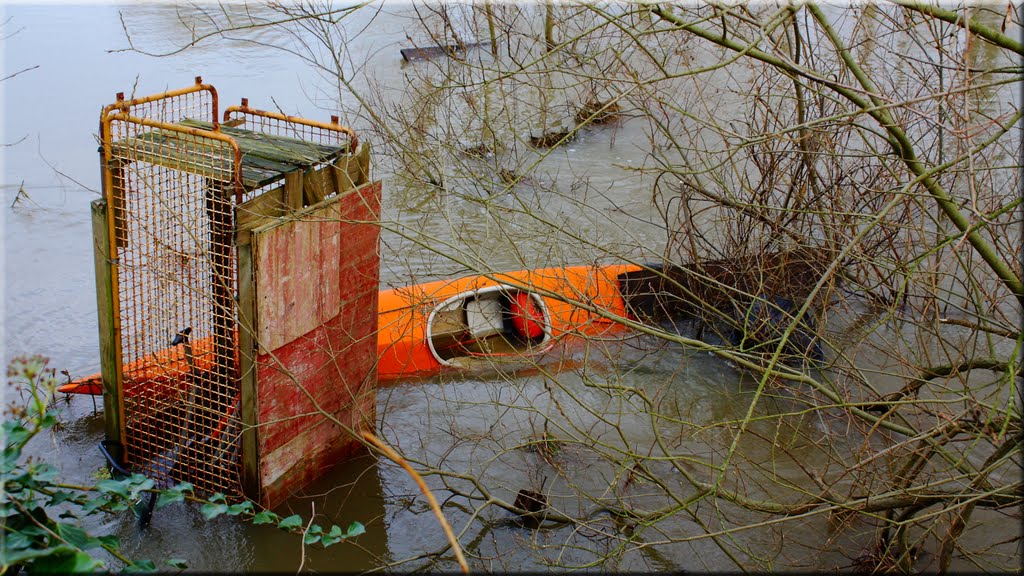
475,426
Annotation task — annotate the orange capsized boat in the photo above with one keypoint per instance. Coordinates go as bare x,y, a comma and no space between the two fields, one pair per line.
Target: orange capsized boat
445,325
164,370
461,324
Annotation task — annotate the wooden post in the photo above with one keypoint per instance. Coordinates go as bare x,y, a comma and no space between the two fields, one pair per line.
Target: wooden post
293,189
352,170
247,370
113,399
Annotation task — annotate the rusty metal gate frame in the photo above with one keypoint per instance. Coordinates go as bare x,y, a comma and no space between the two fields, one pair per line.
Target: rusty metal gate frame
167,431
167,277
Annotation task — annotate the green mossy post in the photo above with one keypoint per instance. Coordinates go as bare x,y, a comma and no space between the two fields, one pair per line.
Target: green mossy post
113,407
247,369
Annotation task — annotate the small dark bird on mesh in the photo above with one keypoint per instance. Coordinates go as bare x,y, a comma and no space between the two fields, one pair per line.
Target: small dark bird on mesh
181,337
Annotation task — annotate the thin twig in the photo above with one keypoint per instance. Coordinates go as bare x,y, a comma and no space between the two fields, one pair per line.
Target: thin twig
426,492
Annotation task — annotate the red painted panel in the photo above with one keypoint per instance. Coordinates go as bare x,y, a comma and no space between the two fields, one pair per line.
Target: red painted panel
326,270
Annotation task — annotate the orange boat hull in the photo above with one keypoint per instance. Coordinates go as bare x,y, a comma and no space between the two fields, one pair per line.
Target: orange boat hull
402,347
163,371
403,350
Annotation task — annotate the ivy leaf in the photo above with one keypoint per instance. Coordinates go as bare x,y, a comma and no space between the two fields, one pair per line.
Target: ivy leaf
355,529
266,517
66,562
117,506
76,537
169,496
312,535
34,530
185,487
332,537
61,496
48,420
236,509
211,510
94,504
141,566
118,487
293,521
44,473
110,541
138,483
13,557
15,435
16,541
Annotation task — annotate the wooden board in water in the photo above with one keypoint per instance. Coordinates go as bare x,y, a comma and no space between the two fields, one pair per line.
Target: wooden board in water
693,290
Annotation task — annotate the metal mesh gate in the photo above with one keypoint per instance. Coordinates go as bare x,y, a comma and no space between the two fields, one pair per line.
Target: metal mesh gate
170,192
182,193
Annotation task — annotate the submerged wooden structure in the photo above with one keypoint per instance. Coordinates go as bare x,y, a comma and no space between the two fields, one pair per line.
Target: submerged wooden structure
248,243
714,288
739,300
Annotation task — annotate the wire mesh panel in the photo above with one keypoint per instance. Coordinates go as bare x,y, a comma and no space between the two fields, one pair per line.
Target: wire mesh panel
171,190
183,193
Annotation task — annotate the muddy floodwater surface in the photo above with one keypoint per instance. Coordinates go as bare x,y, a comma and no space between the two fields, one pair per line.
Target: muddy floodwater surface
511,431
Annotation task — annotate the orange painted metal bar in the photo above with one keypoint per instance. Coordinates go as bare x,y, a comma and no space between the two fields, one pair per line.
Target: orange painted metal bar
164,369
333,125
201,133
125,105
120,110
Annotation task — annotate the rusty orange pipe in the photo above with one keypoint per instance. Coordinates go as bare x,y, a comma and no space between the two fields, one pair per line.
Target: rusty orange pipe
332,126
125,105
198,132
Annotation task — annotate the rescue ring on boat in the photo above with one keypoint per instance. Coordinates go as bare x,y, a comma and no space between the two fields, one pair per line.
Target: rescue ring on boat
527,318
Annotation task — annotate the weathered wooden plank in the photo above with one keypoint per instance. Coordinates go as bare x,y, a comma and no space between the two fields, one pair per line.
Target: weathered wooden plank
113,399
273,147
317,185
250,454
192,154
265,157
291,274
335,364
254,164
353,170
172,150
293,190
255,212
330,243
334,359
185,157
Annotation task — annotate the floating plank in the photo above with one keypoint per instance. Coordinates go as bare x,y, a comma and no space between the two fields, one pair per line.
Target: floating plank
428,52
696,289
